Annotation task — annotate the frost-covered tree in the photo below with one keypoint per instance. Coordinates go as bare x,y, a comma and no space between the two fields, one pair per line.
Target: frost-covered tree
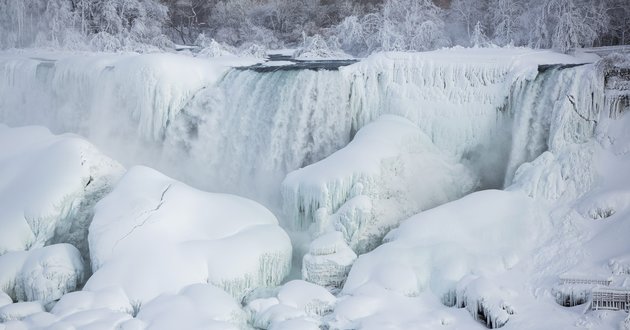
412,25
505,17
468,13
571,25
478,37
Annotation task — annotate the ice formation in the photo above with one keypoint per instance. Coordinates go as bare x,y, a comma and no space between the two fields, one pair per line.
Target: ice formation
48,186
151,224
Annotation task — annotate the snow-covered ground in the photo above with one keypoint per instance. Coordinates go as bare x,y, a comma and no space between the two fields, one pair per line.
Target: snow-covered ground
381,173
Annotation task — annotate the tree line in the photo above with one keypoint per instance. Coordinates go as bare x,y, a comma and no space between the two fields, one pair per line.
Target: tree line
352,26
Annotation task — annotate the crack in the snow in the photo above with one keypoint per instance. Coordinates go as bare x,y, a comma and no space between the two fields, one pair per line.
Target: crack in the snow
149,213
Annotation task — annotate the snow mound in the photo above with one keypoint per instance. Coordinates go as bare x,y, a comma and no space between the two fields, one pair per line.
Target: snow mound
328,261
48,186
43,274
198,306
388,172
153,234
298,303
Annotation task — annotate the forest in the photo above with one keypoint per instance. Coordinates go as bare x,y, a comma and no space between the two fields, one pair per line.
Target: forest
354,27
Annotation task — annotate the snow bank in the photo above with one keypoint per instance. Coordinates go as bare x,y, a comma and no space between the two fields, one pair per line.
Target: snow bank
151,224
48,186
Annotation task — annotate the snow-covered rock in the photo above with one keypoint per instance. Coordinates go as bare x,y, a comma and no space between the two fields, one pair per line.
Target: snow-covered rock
297,303
328,261
388,172
48,186
153,234
43,274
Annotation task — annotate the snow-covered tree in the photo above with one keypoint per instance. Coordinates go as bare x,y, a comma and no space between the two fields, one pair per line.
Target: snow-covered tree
478,37
468,13
505,17
571,26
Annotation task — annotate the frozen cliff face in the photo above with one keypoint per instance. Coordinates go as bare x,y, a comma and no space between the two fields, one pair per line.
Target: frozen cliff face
48,186
42,274
151,224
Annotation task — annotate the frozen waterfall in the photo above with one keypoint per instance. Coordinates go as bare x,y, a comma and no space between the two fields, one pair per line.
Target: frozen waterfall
242,131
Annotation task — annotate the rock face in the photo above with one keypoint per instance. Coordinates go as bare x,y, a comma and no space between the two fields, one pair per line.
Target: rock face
151,224
48,186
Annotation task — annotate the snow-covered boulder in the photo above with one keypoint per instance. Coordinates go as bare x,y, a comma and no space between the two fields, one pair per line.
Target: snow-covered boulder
198,306
328,261
48,186
43,274
153,235
298,302
389,171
